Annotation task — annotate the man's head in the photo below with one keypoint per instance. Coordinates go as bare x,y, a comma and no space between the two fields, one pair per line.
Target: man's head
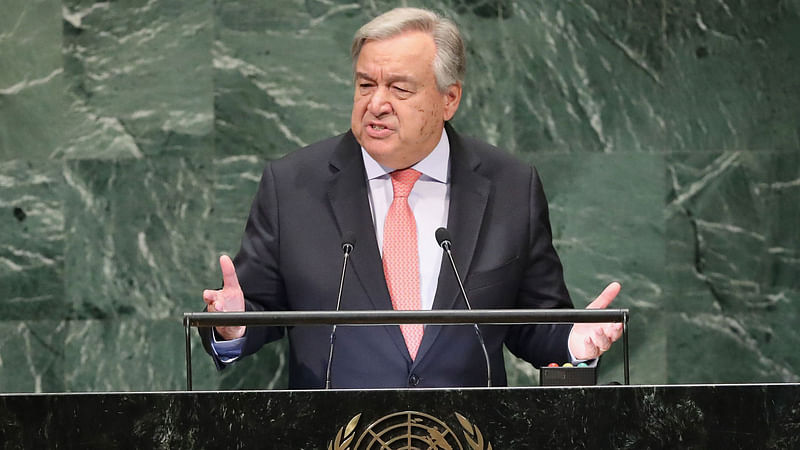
408,67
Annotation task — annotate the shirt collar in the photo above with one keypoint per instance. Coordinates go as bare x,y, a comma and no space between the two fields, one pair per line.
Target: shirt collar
435,166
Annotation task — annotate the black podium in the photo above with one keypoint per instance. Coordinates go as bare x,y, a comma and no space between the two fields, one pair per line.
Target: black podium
600,417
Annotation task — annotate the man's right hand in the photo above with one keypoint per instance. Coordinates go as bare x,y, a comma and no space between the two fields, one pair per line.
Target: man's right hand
229,298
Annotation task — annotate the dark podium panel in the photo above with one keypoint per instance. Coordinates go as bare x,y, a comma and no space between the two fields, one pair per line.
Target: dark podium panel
703,416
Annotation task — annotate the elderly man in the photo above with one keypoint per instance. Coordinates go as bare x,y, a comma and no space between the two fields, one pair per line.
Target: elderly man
400,173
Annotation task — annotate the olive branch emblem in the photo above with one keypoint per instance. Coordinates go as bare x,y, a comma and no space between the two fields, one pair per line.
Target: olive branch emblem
436,440
345,435
472,434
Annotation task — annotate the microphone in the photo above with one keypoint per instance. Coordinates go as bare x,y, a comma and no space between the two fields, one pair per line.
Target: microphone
443,238
348,242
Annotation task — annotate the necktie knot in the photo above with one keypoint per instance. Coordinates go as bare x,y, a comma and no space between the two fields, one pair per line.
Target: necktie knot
403,181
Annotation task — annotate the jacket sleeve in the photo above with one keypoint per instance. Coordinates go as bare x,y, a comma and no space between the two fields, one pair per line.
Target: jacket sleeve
542,286
257,267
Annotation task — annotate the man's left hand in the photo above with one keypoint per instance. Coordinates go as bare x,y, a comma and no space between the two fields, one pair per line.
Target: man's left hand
590,340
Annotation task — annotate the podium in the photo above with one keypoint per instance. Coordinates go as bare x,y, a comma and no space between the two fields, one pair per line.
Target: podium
621,416
599,417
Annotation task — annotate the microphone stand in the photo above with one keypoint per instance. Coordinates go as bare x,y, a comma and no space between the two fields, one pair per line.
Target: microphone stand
443,236
347,247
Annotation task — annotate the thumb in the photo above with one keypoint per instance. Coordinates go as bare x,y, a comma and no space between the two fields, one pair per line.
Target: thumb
604,299
229,278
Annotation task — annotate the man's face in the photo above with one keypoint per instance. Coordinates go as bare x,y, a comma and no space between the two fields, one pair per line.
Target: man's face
398,113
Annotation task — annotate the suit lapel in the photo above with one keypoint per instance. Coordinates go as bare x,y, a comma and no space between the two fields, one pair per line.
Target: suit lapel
349,199
469,194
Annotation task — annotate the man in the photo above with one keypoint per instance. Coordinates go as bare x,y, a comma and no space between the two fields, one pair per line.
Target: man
400,173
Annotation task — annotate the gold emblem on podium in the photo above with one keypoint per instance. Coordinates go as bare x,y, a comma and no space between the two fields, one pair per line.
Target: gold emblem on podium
409,430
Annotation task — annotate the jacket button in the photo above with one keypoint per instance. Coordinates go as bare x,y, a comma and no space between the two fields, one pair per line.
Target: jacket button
413,380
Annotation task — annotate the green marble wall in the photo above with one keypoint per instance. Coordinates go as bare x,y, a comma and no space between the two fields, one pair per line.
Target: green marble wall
132,136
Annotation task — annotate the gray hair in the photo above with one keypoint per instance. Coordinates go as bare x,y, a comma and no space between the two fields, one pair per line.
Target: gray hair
450,62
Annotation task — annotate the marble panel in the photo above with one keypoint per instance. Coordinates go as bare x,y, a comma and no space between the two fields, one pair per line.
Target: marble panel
282,75
606,211
566,76
31,241
734,266
31,79
139,77
266,369
125,354
132,354
234,186
32,355
138,243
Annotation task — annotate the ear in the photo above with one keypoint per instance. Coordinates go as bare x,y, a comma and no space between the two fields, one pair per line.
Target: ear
452,98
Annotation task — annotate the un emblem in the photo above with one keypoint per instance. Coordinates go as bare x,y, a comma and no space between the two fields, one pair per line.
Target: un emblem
409,430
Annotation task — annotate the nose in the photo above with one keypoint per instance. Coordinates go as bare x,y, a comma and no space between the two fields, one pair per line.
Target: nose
379,103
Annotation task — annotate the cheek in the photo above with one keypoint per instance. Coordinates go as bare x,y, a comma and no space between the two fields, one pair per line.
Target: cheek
358,104
428,117
358,111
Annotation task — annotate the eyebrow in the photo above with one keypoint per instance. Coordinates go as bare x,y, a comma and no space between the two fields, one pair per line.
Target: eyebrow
390,79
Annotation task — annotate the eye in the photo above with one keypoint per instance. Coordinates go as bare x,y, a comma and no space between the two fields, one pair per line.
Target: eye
400,92
365,87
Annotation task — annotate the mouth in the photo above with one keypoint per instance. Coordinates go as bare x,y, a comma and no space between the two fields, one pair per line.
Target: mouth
378,130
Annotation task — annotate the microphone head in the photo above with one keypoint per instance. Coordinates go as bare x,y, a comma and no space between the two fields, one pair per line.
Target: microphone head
443,237
348,241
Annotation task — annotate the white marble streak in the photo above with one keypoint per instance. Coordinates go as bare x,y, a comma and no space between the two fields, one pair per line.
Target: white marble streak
283,95
717,227
24,331
779,185
144,250
80,187
187,121
285,130
27,84
95,131
720,165
634,57
35,259
734,330
76,18
337,9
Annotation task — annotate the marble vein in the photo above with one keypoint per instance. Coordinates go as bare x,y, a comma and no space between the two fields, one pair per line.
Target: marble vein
734,330
720,165
337,9
75,18
27,84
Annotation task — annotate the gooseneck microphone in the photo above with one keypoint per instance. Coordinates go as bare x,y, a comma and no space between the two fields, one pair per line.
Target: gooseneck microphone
443,238
347,247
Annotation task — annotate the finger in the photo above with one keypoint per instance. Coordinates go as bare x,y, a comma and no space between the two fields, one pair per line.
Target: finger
229,278
209,296
604,299
601,340
591,350
613,331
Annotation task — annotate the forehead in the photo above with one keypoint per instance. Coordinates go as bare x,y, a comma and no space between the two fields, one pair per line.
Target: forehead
411,52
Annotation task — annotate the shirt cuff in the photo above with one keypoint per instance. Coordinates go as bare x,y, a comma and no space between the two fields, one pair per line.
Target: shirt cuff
573,360
226,351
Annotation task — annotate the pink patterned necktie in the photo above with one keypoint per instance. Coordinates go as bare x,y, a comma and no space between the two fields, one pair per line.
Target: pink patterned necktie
400,256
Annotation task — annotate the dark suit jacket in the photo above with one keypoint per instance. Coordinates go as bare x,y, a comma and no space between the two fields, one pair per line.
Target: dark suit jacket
291,255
